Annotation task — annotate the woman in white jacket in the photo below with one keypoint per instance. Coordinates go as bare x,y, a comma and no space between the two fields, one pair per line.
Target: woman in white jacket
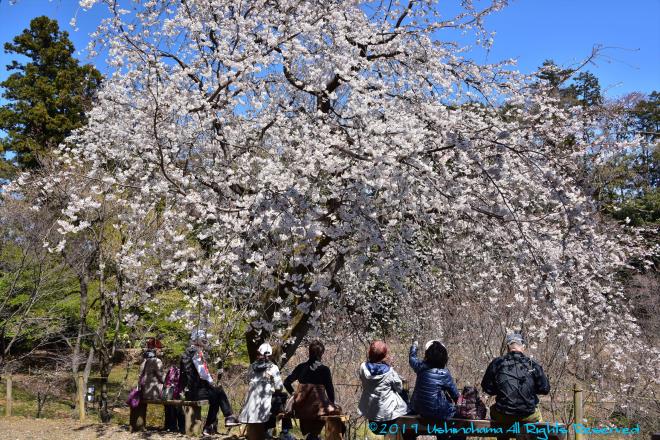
381,401
264,379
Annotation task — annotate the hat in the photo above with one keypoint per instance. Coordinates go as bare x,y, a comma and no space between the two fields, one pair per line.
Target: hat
515,338
265,349
198,336
153,344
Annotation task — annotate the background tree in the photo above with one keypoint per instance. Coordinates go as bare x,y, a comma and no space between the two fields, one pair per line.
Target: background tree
47,96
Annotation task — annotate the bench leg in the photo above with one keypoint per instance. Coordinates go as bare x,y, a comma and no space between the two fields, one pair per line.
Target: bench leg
138,417
334,429
193,419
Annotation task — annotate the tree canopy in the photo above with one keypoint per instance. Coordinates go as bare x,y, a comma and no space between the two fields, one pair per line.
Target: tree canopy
301,159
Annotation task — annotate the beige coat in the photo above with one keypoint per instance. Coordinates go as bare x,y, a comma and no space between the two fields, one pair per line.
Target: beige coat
151,385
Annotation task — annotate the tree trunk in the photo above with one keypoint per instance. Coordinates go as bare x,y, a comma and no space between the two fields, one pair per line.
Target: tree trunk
103,401
84,308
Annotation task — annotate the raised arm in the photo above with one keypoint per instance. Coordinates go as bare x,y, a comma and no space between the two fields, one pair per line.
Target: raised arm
160,374
415,363
201,367
277,378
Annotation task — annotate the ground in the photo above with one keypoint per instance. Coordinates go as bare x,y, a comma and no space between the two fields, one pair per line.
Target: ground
21,428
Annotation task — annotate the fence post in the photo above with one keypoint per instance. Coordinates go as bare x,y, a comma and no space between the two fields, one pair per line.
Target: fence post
81,397
578,413
9,403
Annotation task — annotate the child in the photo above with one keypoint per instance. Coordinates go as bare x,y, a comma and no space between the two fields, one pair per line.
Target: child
469,405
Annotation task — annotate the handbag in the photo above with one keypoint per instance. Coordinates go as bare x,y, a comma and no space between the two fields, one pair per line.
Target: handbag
134,398
135,395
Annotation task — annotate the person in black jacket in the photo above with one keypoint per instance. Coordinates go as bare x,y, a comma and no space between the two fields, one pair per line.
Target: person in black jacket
315,373
198,383
515,380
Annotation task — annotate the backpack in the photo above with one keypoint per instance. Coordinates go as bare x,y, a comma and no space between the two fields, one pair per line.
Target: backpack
469,405
188,377
515,378
172,389
311,401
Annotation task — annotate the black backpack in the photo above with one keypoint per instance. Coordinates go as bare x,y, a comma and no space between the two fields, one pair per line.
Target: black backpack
188,376
515,377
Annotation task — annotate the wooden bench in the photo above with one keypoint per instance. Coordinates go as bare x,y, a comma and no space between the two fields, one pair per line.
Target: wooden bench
410,426
192,411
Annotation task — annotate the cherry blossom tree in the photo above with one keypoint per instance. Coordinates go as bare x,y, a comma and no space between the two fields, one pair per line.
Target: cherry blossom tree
342,163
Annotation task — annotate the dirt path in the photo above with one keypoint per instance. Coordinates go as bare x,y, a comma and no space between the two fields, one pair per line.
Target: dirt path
19,428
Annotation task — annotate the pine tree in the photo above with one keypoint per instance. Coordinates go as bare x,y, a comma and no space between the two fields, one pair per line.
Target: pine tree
47,96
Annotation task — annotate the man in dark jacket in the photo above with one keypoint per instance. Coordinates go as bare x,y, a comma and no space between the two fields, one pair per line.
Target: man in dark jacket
198,383
515,380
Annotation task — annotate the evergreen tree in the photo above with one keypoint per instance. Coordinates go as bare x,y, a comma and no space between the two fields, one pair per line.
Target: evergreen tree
585,90
47,96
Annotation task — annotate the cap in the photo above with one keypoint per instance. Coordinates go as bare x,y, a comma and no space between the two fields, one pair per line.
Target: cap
515,338
265,349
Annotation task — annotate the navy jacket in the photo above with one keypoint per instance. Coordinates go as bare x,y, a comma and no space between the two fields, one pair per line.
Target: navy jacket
435,390
515,380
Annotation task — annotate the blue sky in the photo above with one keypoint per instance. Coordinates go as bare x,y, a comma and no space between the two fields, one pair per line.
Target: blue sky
529,30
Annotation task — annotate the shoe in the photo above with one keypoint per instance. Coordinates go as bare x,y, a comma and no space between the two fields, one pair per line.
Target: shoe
210,431
286,436
269,434
231,421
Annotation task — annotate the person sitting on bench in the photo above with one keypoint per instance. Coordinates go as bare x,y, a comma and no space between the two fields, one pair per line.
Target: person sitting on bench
383,399
515,380
435,391
198,383
151,371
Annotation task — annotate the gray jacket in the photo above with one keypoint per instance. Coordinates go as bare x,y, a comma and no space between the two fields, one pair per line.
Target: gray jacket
380,400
